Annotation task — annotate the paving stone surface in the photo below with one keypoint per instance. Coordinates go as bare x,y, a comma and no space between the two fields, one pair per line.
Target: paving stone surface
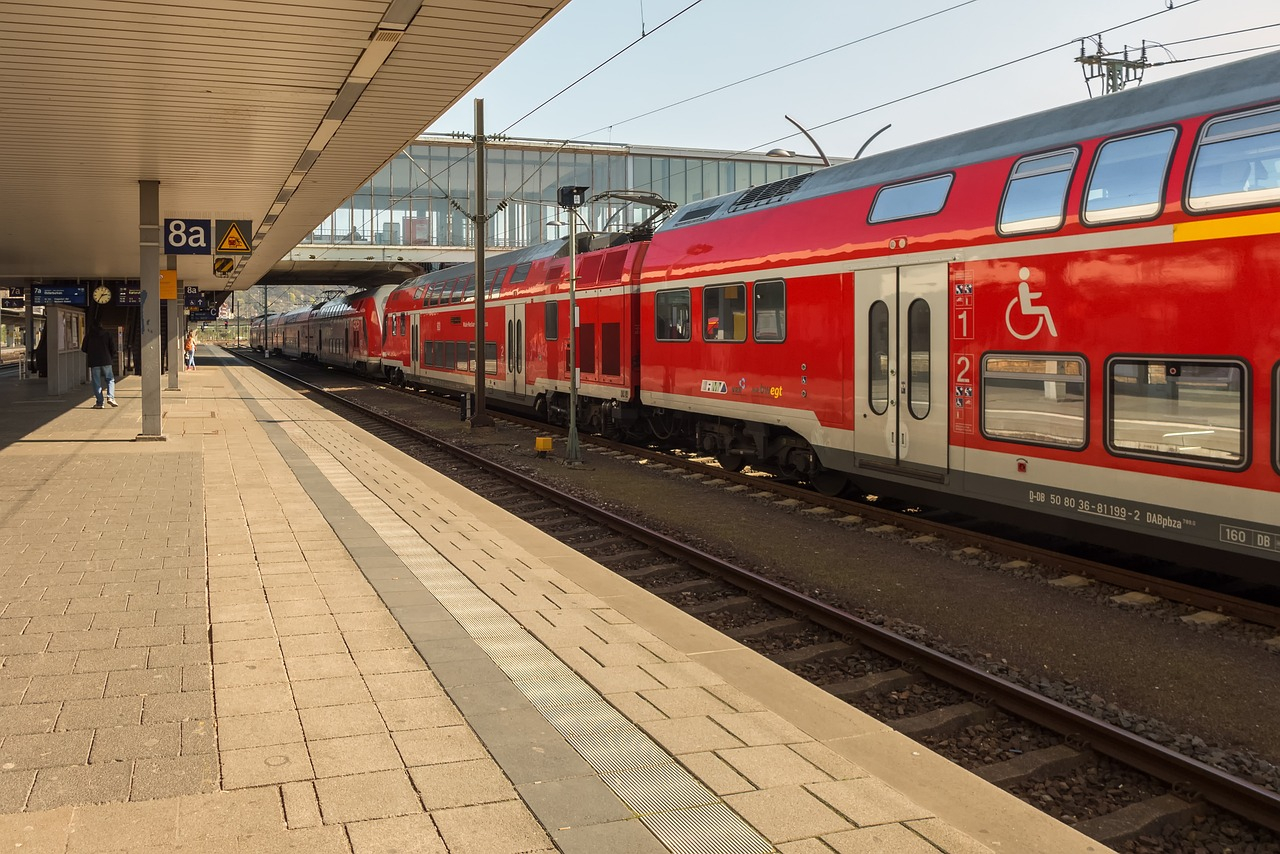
216,643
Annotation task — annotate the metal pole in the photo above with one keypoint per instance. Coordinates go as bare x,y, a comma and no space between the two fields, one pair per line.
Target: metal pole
149,282
480,418
573,453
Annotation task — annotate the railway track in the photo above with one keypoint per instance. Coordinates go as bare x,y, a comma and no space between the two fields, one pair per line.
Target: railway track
1111,783
949,527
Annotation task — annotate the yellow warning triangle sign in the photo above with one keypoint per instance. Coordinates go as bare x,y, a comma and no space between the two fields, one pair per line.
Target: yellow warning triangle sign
233,240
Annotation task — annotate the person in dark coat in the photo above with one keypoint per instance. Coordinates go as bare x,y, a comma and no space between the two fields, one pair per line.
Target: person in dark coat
42,355
99,347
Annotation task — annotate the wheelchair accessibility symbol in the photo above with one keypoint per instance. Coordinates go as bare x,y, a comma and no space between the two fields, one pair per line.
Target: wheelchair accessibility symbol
1025,302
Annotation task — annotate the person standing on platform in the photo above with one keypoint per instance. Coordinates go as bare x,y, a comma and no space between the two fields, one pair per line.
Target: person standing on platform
99,347
189,345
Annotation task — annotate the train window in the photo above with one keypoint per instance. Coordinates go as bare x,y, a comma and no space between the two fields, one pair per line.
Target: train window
672,315
521,272
769,310
402,324
878,363
724,313
1036,196
1189,411
495,282
466,291
1128,178
442,295
913,199
1237,163
1035,399
919,351
1275,418
450,355
491,357
552,319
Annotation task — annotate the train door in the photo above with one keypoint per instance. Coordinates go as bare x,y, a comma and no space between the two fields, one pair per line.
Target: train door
414,367
515,340
900,363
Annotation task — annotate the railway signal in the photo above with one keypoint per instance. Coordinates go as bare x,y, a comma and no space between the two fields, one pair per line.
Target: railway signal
571,199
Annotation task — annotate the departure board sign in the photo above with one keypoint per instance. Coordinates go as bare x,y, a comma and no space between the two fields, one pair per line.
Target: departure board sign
57,295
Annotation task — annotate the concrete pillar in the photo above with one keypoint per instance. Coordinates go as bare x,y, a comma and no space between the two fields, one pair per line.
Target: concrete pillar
149,281
175,338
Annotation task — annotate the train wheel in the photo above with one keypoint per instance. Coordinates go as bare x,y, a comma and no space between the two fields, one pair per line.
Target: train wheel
731,462
830,483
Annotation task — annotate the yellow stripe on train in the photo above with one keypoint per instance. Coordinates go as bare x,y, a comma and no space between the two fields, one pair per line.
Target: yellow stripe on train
1236,226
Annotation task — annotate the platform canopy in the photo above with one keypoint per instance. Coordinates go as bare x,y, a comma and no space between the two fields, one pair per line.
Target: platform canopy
269,111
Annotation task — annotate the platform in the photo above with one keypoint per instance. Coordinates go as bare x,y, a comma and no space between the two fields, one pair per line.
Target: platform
273,632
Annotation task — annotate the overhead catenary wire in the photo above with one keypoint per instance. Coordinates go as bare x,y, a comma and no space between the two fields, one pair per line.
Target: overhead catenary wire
964,78
644,34
786,65
951,82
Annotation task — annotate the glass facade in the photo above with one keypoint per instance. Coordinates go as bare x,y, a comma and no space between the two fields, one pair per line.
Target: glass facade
407,202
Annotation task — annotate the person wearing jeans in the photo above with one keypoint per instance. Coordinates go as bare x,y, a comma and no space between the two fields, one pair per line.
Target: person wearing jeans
99,347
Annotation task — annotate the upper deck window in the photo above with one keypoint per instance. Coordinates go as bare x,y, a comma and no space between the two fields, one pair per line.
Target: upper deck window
913,199
1036,198
1237,163
1128,178
520,272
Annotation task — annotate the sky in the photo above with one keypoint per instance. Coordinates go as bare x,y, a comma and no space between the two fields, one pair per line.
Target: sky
903,49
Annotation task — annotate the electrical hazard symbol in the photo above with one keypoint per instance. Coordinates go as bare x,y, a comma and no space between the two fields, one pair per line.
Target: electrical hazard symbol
232,236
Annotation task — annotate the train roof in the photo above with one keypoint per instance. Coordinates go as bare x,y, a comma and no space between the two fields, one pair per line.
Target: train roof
344,302
550,249
1237,84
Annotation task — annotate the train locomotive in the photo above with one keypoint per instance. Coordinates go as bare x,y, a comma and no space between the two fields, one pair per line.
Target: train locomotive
1063,317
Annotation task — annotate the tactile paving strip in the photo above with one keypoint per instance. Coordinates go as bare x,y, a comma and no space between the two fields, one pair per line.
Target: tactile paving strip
682,813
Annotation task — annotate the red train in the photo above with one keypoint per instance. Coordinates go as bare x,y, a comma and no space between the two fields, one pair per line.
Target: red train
1063,317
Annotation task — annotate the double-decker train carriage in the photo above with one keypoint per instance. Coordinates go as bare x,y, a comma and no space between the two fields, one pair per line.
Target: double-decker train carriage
342,330
1066,315
348,330
431,334
1063,319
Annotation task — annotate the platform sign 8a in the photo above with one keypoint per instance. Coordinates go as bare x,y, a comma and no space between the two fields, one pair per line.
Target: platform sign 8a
188,237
